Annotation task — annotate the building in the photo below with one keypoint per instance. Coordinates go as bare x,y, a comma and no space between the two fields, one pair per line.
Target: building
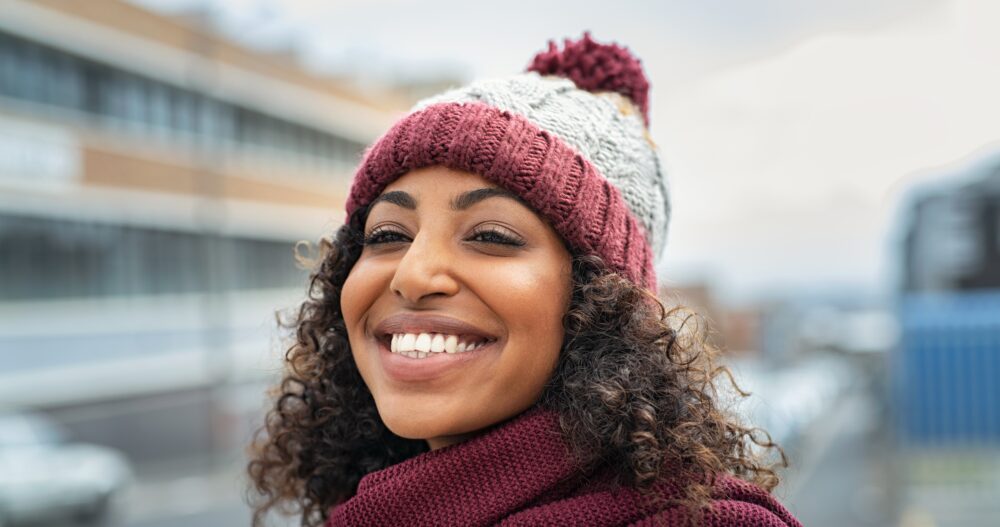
946,365
154,179
952,238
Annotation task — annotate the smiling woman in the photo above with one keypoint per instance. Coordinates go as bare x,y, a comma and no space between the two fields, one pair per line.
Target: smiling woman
451,258
482,343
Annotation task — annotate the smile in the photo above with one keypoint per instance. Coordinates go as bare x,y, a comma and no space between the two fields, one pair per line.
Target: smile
422,345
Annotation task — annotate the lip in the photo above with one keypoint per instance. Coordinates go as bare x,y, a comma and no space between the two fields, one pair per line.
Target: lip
401,368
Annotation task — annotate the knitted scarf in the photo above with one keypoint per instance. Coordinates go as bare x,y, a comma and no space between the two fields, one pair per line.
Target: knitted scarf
520,473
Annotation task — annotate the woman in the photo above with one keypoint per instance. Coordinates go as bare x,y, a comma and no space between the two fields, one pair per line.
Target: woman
482,344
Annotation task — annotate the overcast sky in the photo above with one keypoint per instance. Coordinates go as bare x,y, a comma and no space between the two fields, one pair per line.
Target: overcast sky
790,127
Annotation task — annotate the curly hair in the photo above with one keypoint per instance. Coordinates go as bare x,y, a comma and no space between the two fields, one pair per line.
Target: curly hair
634,388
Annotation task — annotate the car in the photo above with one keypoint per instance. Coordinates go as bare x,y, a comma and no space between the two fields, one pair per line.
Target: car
44,477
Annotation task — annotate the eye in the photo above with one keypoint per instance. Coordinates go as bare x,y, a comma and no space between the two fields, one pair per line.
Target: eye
384,234
496,235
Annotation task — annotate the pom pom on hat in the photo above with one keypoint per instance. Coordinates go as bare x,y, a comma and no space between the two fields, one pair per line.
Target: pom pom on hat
597,67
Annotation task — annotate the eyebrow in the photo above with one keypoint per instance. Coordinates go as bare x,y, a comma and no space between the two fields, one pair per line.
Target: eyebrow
462,202
470,198
396,197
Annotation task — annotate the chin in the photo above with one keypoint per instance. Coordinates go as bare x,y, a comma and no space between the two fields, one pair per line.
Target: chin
417,423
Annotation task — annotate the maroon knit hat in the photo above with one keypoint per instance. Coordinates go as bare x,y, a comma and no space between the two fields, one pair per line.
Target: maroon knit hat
547,159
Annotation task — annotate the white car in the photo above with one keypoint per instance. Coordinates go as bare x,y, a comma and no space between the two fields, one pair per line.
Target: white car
45,478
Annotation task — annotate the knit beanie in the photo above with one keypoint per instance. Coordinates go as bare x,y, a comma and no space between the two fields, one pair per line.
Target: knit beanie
569,136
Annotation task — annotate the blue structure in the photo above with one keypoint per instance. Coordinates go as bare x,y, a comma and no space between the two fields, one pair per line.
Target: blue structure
946,372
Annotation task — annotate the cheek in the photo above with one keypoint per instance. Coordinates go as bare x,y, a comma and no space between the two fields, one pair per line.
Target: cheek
535,304
360,291
532,300
359,294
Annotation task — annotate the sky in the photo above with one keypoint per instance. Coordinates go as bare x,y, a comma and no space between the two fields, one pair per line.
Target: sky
792,130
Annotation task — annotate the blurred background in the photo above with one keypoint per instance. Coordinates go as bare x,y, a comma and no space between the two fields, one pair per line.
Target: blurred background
834,166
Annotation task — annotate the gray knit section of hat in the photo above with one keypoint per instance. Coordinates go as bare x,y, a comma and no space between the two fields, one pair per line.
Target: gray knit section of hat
614,141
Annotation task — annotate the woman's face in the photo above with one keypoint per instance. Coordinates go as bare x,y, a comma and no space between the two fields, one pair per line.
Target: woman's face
469,287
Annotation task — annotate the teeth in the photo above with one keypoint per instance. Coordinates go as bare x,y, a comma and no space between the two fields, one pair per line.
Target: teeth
437,343
421,345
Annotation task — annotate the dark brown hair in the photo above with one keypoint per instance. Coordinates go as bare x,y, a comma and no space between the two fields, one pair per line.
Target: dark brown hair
634,387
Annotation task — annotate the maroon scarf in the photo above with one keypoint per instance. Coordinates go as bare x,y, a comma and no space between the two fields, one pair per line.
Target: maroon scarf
520,473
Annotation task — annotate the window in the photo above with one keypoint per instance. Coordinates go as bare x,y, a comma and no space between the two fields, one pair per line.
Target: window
60,258
34,72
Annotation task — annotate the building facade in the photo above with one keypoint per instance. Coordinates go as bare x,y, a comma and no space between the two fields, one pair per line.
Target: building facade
154,180
948,359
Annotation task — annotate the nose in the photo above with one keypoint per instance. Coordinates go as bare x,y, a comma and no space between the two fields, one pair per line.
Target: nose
426,270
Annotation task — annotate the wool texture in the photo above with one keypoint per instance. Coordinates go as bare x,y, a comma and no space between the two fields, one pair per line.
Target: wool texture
569,137
520,473
597,67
